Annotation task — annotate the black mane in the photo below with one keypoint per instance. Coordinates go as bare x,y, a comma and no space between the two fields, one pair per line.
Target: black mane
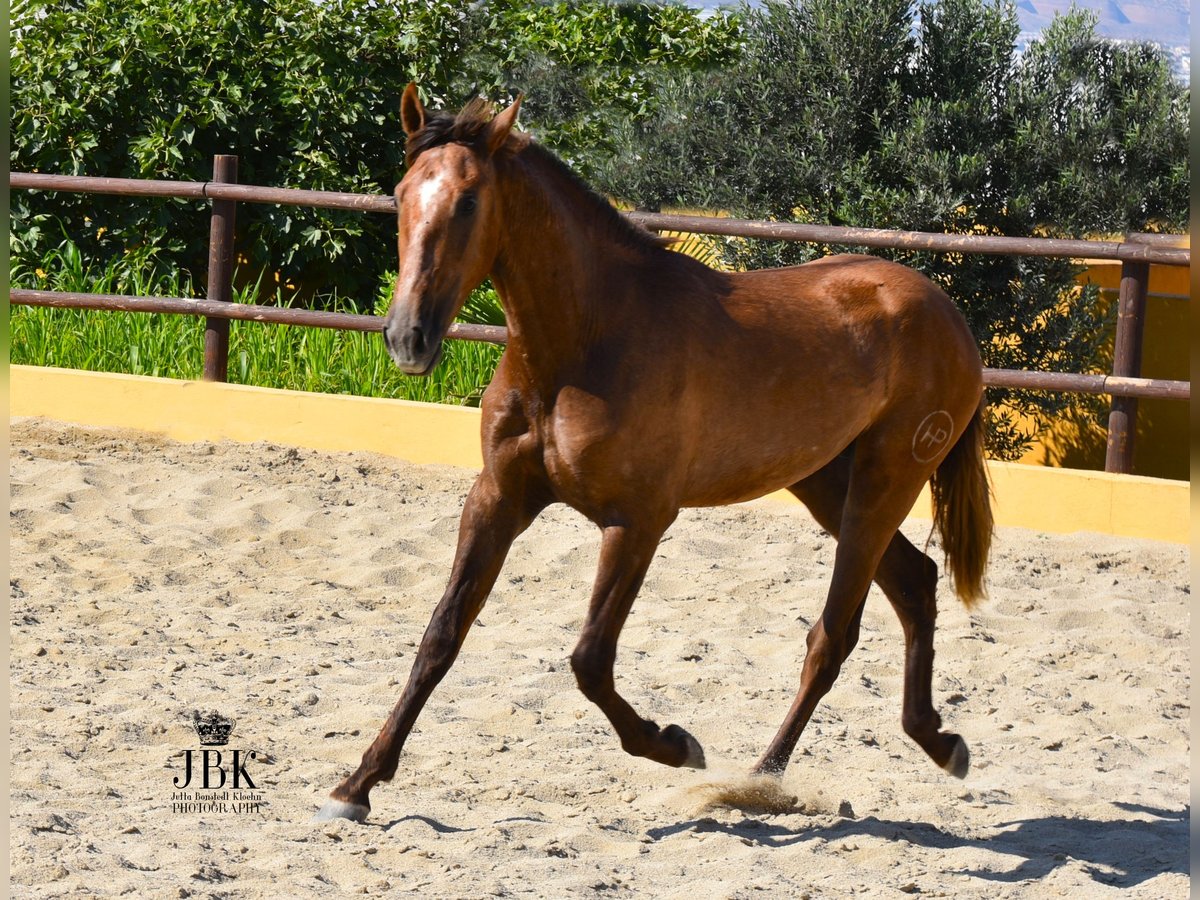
467,128
446,128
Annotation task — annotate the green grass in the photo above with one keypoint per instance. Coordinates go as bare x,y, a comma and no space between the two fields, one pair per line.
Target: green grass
277,356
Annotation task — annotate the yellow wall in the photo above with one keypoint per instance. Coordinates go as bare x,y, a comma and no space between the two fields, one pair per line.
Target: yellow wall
201,411
1161,444
1057,500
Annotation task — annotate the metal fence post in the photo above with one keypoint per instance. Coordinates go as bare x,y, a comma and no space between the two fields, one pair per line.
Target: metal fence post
1127,361
220,271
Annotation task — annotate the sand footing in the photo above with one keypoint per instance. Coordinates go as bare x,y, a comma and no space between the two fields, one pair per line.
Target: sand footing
287,589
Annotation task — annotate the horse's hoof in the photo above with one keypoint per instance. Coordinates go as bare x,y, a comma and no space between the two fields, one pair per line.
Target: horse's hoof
694,759
960,759
767,771
340,809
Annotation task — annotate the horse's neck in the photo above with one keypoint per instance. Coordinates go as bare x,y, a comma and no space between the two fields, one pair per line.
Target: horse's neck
554,260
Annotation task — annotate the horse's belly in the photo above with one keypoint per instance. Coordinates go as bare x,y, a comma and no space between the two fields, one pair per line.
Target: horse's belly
749,484
736,472
705,451
726,496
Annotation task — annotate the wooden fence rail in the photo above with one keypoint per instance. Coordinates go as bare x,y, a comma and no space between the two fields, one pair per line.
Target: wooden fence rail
1124,385
1132,249
497,334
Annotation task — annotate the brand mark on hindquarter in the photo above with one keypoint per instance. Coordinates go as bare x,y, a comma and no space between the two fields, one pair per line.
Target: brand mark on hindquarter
932,435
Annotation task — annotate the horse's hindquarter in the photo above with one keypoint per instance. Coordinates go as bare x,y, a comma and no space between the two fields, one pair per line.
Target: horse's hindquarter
793,364
730,388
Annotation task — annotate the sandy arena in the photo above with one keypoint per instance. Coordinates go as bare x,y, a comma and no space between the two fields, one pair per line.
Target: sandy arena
287,589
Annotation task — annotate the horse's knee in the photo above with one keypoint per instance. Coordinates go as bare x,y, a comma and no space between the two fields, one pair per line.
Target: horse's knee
823,661
592,674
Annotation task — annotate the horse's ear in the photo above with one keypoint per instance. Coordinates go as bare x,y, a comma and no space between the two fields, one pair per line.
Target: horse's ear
500,127
412,113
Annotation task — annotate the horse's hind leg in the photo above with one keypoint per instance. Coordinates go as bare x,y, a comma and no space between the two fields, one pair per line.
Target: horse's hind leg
491,520
859,500
625,554
909,580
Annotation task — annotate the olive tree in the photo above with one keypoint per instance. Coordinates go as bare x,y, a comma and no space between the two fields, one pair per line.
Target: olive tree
923,116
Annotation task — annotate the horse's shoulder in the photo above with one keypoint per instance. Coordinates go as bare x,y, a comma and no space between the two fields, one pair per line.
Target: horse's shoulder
506,413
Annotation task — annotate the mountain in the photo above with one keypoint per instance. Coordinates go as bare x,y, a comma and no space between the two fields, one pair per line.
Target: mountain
1166,22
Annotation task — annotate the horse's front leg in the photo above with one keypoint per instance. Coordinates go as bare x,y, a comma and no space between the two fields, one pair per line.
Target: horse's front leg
625,554
491,520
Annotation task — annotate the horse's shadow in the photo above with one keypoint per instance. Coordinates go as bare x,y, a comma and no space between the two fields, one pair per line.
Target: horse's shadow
1105,848
443,828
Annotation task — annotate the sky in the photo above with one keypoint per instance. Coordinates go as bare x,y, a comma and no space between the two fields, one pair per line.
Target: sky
1162,21
1165,22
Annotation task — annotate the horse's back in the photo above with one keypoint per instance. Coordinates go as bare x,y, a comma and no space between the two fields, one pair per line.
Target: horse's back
799,361
851,288
853,314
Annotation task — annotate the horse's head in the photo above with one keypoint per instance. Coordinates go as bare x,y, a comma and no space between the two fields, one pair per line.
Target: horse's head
449,224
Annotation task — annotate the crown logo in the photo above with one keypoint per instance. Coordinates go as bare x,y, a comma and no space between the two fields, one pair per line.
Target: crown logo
214,729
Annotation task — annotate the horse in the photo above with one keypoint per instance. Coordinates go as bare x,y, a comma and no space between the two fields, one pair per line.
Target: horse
638,381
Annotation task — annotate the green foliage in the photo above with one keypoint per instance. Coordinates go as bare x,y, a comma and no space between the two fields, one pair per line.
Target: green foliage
585,68
344,362
171,346
1100,130
101,341
889,114
304,93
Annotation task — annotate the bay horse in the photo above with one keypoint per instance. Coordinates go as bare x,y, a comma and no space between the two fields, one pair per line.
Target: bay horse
638,381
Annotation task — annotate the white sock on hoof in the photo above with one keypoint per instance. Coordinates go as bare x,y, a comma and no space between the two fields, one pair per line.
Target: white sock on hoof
340,809
960,760
695,757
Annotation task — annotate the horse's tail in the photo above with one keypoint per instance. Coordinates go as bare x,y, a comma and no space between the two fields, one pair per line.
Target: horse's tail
962,511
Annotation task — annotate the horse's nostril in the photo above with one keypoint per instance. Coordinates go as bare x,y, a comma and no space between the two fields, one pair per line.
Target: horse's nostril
418,341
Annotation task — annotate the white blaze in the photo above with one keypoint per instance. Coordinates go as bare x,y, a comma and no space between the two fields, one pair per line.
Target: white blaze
428,193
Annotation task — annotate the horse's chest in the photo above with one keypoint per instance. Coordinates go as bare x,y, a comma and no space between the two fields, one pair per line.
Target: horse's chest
572,432
588,460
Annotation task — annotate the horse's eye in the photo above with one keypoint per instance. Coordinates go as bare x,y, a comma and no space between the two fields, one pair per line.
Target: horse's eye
467,204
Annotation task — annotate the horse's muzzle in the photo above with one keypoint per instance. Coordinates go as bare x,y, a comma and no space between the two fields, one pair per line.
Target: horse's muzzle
413,349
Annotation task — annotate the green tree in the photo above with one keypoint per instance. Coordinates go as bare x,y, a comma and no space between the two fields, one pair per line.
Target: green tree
304,93
588,69
1100,130
892,114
